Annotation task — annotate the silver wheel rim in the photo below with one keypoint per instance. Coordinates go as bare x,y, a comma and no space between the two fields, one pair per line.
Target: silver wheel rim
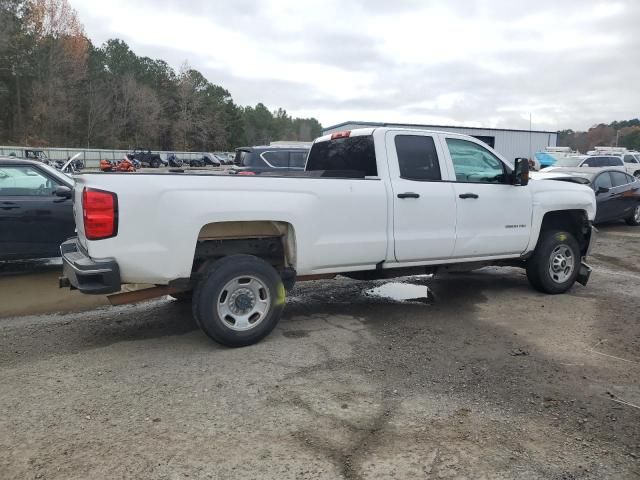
243,303
561,263
636,214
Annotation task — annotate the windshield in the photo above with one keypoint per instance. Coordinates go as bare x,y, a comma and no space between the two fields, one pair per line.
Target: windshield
568,162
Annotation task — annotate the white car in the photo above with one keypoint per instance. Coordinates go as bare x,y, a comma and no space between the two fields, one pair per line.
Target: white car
372,203
627,162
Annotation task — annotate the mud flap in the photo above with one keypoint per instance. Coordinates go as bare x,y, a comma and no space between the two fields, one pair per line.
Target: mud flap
584,274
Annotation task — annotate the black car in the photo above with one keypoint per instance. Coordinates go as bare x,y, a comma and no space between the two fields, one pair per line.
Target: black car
270,158
617,192
36,212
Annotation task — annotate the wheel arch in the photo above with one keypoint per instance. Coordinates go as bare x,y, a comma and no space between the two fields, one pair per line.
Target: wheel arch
273,240
575,221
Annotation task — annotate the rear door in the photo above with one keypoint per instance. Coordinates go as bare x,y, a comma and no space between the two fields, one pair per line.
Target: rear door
424,207
33,221
625,193
493,217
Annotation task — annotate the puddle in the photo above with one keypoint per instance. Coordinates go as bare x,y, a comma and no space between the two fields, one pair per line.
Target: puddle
402,292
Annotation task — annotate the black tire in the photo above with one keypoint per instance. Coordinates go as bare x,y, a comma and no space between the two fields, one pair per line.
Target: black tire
634,219
155,163
554,244
210,290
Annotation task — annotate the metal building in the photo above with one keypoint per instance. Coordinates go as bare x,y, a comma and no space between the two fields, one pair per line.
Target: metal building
510,143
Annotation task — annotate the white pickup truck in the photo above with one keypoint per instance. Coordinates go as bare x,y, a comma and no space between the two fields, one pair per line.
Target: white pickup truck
372,203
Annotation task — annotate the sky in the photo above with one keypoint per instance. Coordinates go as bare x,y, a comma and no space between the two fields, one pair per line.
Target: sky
490,63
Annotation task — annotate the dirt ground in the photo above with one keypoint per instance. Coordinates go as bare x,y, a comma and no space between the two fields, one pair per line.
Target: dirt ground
481,379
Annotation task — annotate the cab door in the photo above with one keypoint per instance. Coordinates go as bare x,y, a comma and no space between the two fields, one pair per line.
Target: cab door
33,221
424,207
493,217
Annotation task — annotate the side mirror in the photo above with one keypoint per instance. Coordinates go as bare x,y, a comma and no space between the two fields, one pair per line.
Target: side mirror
602,190
520,175
62,191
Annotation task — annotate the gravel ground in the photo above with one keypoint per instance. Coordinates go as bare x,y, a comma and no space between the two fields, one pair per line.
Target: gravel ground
482,378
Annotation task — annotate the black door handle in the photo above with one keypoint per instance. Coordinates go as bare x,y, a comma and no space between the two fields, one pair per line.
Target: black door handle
408,195
468,195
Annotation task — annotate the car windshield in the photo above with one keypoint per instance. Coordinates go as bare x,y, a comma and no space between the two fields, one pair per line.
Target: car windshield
568,162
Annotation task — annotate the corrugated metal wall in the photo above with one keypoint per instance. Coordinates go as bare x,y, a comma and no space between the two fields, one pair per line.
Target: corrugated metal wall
510,143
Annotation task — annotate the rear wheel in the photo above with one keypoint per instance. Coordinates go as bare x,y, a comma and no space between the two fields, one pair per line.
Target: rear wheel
155,163
636,174
634,219
239,300
555,263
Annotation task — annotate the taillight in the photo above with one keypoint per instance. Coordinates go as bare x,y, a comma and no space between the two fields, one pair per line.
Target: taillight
344,134
243,172
100,213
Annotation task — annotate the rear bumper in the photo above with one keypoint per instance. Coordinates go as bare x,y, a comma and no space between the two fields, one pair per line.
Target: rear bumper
97,277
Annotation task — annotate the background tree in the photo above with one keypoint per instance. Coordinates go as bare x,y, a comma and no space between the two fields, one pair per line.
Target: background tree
60,90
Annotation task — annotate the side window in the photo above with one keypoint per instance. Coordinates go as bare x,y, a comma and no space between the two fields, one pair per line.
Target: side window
278,159
25,181
475,164
619,178
614,162
298,159
630,159
417,157
602,181
592,162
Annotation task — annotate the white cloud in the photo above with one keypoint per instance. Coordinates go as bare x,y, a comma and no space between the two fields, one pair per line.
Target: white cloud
472,62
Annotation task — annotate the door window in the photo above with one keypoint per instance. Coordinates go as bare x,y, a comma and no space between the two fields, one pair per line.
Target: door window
475,164
602,181
417,157
25,181
630,159
619,179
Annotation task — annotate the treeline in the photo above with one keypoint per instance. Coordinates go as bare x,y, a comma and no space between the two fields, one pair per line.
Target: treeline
623,134
57,89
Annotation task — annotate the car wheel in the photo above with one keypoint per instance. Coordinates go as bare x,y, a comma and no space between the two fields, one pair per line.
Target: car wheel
634,219
555,263
155,163
636,174
239,300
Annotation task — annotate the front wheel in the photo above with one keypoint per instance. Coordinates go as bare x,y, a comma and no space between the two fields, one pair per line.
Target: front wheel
634,219
239,300
555,264
155,163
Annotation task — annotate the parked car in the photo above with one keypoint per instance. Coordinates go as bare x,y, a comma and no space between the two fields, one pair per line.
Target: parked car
212,159
174,161
452,201
146,158
627,162
617,192
270,158
36,212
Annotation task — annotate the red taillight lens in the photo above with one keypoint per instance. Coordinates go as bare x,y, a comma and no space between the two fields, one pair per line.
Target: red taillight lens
246,173
344,134
100,213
